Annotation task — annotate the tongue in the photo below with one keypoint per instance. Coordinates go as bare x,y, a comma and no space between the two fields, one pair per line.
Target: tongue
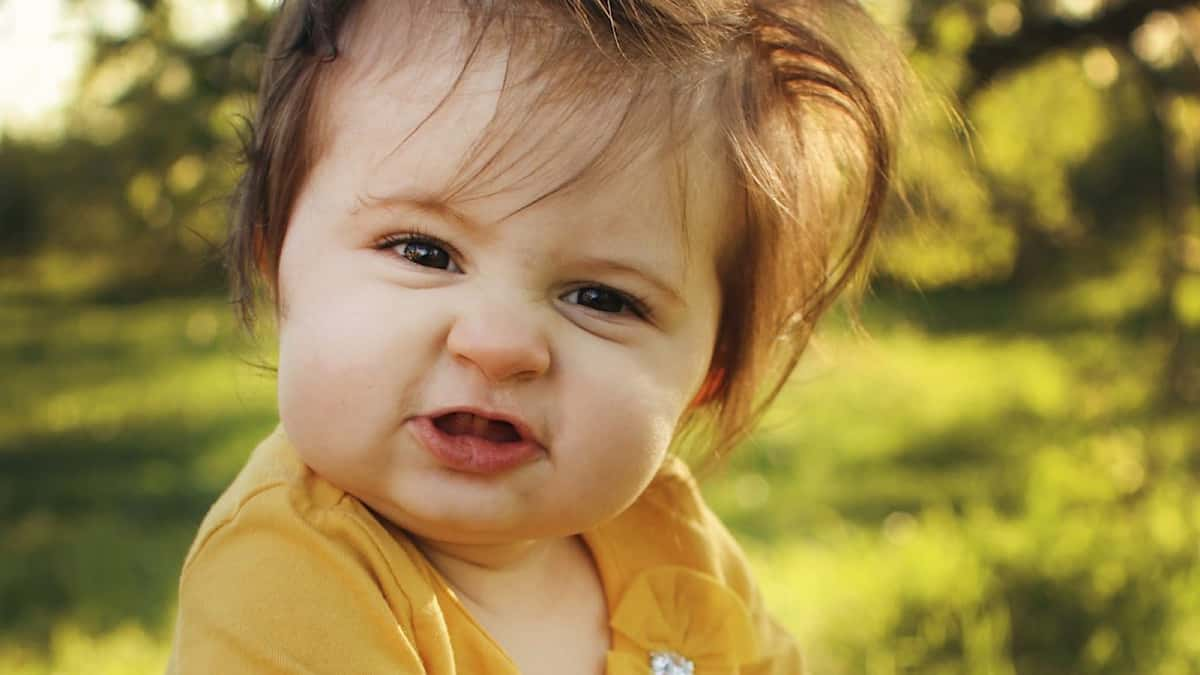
461,424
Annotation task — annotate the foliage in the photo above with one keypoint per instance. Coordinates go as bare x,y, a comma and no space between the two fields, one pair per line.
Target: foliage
1013,505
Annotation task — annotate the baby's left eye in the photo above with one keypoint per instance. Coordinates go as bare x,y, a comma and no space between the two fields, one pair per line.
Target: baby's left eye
606,300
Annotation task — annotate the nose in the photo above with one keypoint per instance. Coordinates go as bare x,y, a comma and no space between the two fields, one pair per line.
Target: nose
503,344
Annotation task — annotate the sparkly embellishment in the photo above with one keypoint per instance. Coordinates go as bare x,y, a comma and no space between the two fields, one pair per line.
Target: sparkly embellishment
670,663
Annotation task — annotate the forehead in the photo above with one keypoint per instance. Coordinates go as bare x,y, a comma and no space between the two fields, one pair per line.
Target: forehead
423,105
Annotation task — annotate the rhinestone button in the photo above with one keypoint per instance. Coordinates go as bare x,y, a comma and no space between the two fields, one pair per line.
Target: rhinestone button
670,663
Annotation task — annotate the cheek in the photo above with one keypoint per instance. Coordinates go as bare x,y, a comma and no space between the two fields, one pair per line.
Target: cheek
619,418
342,376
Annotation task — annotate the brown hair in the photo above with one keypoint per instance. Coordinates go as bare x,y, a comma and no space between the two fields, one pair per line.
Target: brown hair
806,103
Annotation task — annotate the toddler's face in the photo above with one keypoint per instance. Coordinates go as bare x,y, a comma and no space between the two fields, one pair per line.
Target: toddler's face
405,320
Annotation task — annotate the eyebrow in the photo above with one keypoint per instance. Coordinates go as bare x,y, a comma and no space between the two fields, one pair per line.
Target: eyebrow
440,209
424,203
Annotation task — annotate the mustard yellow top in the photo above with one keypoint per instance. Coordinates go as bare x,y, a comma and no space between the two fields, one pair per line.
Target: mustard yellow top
289,574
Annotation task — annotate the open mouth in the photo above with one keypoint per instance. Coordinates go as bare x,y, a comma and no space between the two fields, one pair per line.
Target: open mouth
470,441
467,424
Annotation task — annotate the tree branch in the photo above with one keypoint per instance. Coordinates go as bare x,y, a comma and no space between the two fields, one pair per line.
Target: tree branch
1036,38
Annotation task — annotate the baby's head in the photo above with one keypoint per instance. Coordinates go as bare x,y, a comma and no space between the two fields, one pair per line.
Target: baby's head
518,247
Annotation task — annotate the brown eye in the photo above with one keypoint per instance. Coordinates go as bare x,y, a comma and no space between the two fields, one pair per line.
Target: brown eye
607,300
421,250
425,253
601,299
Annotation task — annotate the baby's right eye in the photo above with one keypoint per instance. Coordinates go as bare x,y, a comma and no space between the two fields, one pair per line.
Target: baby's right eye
422,250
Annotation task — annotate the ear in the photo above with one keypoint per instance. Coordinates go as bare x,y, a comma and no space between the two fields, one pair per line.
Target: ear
711,385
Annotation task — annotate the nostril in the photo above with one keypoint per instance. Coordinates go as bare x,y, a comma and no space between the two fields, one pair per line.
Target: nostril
500,344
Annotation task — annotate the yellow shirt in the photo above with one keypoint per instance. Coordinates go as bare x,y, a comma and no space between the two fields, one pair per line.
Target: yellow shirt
289,574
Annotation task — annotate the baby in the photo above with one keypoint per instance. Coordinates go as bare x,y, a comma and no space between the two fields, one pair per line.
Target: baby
522,254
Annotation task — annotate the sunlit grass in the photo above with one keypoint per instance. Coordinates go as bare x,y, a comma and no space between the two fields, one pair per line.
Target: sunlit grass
125,650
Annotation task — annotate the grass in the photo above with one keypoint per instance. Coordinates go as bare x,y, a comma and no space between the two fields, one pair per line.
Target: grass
982,494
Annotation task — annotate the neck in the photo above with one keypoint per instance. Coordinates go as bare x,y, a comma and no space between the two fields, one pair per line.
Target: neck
495,576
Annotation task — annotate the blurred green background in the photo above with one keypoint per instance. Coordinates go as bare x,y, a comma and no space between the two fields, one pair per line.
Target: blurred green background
1000,477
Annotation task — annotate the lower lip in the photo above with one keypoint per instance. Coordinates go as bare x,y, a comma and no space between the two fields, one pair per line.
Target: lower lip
471,454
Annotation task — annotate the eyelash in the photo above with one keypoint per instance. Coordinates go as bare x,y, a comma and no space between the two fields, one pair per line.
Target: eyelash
414,236
637,305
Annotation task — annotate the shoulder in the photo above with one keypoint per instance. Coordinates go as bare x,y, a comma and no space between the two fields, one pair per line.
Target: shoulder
287,571
671,523
277,501
672,543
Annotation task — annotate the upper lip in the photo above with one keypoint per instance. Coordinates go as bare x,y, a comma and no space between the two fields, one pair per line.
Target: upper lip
523,429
